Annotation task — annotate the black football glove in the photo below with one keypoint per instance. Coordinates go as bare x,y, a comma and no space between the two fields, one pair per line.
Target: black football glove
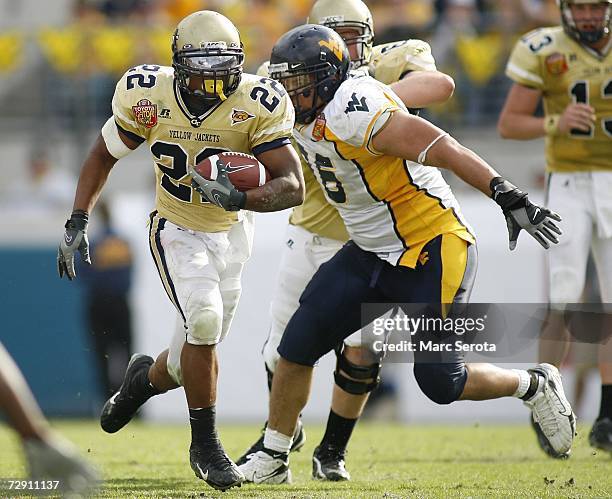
220,191
521,214
75,239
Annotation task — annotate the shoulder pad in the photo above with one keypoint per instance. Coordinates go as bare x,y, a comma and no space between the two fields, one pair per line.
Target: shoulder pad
263,70
136,95
392,60
525,63
357,104
542,39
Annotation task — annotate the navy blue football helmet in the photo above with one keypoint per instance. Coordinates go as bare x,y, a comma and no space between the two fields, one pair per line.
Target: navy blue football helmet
311,61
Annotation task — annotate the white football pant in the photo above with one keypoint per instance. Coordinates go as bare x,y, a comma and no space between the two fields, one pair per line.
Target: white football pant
201,274
584,201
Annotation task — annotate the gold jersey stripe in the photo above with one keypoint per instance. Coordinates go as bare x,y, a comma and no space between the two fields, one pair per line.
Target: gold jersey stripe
454,253
388,204
472,237
418,216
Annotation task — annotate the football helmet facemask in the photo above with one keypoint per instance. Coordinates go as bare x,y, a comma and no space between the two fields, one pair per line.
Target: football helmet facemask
206,49
347,14
311,61
571,28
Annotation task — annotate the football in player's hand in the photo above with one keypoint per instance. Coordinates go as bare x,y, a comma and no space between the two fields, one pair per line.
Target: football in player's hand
243,170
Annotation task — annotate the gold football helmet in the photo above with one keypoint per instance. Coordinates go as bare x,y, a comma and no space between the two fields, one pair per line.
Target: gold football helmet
347,14
207,55
582,36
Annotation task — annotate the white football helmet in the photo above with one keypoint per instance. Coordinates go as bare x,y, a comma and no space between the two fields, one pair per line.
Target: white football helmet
349,14
570,27
207,45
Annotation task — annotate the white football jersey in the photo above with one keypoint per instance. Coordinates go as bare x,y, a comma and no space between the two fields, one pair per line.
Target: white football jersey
389,63
390,206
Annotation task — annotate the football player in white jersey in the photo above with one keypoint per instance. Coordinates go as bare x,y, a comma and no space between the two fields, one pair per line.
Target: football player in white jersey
316,231
201,105
569,67
409,242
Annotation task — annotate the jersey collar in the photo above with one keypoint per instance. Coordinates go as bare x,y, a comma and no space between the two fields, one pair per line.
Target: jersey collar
607,48
598,55
194,120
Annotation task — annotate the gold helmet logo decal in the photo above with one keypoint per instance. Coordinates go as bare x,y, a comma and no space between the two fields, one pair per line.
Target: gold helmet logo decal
334,46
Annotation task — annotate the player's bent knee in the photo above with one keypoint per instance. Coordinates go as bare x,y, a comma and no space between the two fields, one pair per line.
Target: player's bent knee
204,327
305,341
565,286
442,383
354,378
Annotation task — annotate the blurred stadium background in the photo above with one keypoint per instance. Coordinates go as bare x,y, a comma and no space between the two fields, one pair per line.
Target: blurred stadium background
59,61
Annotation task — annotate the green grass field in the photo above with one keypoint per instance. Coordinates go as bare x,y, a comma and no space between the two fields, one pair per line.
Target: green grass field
385,460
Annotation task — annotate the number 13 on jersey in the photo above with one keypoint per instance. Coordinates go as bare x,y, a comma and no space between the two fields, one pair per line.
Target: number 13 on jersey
580,95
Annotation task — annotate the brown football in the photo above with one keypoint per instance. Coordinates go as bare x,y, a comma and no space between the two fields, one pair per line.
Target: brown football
243,170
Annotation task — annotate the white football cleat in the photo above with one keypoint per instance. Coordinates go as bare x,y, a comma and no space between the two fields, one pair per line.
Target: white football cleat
551,410
56,459
261,467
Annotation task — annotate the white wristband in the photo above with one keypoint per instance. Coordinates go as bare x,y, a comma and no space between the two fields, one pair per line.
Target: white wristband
423,155
110,133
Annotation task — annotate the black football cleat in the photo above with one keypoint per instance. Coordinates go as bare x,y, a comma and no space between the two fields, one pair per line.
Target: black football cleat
600,435
214,467
299,439
122,406
328,464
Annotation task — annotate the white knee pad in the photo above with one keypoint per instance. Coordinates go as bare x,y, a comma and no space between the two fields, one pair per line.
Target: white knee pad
566,285
204,318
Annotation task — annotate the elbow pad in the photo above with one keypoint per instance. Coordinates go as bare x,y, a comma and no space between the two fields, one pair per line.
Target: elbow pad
116,147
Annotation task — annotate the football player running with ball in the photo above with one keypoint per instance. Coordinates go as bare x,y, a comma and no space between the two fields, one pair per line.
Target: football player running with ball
570,68
316,231
199,238
394,206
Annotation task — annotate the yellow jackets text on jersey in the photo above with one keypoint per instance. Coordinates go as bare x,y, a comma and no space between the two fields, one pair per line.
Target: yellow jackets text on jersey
390,206
566,72
147,106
